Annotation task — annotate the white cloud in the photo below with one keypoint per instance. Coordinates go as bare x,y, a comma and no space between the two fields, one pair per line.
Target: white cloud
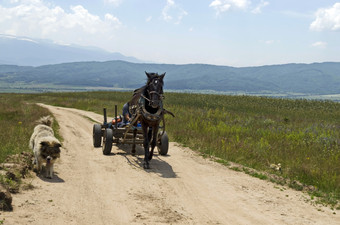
173,12
112,20
113,2
34,18
299,15
270,42
319,44
258,8
221,6
327,19
148,19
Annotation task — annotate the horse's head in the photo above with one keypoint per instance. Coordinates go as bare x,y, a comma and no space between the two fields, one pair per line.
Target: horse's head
155,88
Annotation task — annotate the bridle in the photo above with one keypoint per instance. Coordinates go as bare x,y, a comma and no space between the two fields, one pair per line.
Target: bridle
151,116
150,93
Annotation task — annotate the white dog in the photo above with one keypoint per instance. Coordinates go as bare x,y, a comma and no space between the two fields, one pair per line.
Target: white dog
45,146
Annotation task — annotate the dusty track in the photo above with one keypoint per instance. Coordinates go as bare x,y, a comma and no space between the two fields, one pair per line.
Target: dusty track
182,188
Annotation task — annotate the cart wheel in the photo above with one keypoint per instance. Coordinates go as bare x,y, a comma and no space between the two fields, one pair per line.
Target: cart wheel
97,135
107,141
163,145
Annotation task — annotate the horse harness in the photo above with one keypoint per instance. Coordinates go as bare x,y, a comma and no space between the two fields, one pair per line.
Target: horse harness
140,110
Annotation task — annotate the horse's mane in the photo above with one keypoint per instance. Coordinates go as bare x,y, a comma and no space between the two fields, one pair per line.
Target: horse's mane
136,95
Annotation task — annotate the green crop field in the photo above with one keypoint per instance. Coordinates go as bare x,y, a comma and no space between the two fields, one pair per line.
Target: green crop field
302,135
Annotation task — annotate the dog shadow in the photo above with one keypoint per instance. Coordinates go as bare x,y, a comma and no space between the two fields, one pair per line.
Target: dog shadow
157,164
55,179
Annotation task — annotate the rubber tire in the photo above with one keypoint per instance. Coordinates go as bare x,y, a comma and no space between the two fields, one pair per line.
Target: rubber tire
163,146
97,135
107,141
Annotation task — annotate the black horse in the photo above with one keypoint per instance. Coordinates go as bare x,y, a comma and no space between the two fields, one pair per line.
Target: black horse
148,106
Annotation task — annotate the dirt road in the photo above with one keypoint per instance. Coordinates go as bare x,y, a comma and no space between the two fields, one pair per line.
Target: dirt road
181,188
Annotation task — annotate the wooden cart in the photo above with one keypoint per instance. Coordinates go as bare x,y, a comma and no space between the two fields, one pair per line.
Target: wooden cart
106,134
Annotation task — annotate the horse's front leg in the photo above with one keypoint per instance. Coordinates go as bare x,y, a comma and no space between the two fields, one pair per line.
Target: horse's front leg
146,146
154,140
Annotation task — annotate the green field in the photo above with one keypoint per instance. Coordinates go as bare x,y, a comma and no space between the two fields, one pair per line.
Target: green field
302,135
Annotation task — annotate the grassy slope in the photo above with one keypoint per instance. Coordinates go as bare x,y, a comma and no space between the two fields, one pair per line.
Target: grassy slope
304,136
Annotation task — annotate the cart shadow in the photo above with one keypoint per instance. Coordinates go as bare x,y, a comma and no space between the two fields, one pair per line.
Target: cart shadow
157,165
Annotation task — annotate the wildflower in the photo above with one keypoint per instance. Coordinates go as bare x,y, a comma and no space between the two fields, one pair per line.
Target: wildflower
276,167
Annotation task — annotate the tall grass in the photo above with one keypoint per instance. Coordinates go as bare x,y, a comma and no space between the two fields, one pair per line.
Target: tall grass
302,135
17,121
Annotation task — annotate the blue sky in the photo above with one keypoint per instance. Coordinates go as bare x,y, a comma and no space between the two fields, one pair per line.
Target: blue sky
221,32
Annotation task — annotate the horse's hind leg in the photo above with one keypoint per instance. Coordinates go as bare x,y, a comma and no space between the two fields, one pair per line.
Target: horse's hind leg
146,147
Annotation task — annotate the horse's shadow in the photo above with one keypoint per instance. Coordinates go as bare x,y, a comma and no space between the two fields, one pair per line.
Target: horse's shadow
157,164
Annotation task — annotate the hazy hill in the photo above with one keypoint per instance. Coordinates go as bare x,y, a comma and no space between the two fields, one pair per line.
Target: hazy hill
316,78
35,52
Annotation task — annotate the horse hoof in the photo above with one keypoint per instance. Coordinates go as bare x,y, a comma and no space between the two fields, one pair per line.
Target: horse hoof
146,166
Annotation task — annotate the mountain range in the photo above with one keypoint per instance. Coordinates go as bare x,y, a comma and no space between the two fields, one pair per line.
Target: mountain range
31,62
316,78
25,51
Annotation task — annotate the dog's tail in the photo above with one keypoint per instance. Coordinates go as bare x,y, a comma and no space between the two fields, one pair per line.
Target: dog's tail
46,120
